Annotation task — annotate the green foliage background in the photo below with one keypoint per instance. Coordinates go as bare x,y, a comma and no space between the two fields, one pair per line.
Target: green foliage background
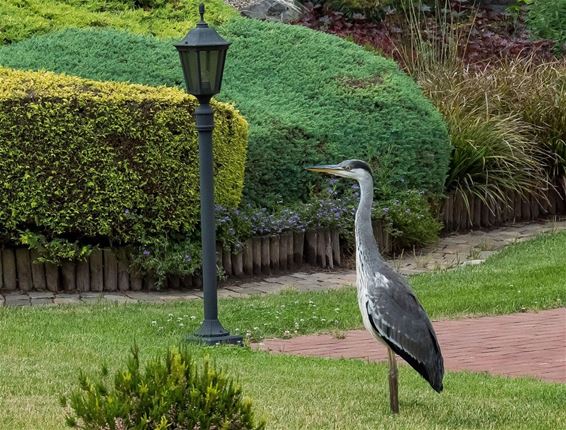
309,97
80,158
547,19
21,19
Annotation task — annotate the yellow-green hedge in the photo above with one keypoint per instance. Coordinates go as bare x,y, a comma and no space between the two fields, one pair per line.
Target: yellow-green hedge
86,159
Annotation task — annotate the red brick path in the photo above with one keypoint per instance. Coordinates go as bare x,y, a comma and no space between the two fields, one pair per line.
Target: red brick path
525,344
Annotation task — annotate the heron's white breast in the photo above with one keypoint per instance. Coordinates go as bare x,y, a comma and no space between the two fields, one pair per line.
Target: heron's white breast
363,299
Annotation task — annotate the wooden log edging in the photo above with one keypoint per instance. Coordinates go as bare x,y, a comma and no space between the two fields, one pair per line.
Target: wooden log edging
456,216
268,255
107,270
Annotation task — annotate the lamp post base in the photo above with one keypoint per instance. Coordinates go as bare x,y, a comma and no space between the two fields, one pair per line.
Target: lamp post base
226,339
211,332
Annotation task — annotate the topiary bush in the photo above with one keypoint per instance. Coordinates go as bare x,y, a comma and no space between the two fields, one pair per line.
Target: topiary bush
547,19
164,18
170,393
109,161
309,97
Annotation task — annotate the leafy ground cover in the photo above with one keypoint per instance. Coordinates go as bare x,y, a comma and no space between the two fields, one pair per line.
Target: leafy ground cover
24,18
43,348
546,18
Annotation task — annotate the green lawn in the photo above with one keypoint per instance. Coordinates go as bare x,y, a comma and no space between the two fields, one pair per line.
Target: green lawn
43,348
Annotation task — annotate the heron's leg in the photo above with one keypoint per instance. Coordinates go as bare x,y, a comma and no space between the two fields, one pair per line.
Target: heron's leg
393,382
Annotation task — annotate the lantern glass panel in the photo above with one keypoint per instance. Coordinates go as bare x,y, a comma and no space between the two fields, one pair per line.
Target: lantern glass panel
220,67
189,61
208,63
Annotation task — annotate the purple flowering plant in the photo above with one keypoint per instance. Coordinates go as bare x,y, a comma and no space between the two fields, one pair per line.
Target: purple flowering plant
408,217
161,257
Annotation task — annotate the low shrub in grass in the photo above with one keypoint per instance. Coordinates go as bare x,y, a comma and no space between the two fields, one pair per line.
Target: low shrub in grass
106,162
172,392
547,19
22,19
309,97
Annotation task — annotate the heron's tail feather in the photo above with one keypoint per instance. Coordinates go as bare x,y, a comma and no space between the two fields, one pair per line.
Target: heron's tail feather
432,372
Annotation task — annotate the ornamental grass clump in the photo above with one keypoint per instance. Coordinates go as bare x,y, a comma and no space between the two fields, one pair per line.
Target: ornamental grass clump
172,392
506,120
536,93
493,154
507,123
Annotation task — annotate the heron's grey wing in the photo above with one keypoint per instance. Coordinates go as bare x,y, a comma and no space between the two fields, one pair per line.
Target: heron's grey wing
398,317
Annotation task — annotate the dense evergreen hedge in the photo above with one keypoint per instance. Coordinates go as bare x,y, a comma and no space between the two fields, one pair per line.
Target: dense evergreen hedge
309,97
80,158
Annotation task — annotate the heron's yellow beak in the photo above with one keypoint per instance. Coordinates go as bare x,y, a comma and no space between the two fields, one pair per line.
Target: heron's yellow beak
332,169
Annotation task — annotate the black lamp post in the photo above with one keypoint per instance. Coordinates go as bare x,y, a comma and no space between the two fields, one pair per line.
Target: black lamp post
202,54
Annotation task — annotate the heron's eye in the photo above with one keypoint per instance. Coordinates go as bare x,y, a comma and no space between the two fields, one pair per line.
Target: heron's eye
347,168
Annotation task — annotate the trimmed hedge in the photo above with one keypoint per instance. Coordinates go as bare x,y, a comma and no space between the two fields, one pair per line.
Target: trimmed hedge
21,20
547,19
81,159
312,97
309,97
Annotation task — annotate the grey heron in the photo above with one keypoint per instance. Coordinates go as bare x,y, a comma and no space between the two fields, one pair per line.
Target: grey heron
390,310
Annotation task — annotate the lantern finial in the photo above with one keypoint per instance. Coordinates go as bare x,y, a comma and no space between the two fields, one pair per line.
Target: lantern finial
201,11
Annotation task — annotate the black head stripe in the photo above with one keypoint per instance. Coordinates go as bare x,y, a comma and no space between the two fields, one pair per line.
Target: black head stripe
358,164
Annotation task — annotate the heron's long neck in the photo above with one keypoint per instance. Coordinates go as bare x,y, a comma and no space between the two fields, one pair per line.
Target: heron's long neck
367,252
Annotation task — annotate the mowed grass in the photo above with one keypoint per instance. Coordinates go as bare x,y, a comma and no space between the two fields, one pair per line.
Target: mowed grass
42,350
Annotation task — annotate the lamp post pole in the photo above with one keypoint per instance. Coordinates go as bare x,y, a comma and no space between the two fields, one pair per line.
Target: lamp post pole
202,54
211,330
